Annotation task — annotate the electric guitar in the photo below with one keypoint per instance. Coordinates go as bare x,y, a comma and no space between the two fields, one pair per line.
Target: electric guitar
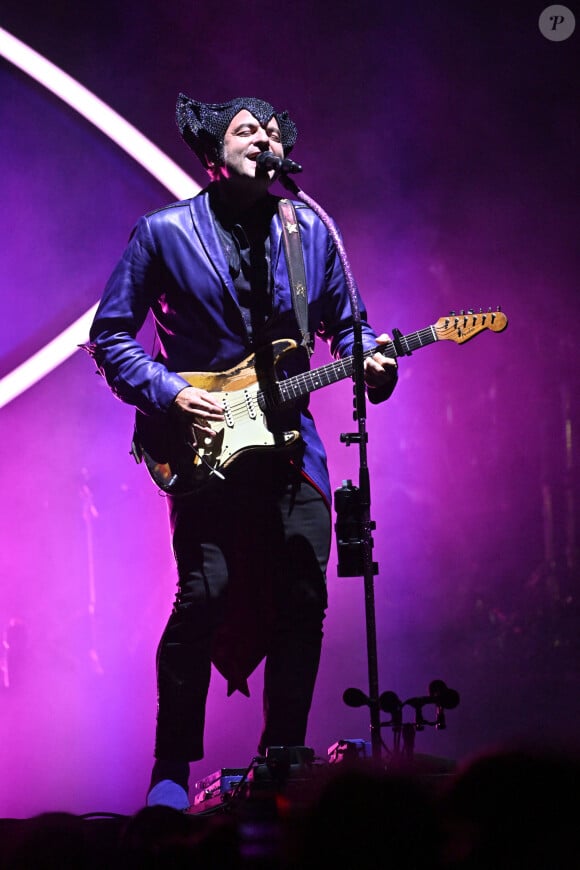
250,392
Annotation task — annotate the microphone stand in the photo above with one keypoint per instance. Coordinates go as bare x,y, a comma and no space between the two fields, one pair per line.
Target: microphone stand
363,543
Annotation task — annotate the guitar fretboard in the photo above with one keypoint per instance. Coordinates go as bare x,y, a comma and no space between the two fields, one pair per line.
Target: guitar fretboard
297,386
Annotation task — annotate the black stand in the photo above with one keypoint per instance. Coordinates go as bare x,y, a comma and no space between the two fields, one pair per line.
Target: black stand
355,543
354,525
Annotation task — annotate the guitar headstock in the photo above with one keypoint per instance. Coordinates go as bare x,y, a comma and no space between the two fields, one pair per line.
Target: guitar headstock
467,324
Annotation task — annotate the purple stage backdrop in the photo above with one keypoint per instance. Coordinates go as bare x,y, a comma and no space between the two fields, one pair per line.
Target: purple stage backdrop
443,139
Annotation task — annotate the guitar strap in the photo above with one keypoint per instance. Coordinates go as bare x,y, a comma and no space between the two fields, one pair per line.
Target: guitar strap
296,273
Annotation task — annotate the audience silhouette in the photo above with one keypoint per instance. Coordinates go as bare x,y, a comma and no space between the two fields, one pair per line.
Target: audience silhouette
505,808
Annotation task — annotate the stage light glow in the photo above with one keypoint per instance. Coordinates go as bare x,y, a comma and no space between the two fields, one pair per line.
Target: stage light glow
127,137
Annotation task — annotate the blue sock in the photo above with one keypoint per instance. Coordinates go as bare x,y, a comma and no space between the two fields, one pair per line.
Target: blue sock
177,771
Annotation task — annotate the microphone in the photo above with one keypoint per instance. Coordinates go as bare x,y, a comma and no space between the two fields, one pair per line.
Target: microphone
266,160
389,702
354,698
442,695
445,699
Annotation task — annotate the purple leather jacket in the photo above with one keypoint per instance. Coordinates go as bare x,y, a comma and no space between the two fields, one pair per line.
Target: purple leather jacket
174,265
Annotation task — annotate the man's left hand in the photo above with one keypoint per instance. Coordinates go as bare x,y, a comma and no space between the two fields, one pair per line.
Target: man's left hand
380,370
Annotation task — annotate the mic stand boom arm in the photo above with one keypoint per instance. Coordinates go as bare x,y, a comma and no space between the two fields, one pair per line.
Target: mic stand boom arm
365,544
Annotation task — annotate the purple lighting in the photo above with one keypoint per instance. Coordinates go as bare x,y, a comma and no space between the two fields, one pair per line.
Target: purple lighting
449,164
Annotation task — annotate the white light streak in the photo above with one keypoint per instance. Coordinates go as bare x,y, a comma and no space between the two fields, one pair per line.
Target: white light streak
127,137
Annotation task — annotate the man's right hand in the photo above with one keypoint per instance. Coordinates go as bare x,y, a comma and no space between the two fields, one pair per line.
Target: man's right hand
200,409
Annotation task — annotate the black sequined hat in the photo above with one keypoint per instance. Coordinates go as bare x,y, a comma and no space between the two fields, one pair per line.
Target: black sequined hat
204,125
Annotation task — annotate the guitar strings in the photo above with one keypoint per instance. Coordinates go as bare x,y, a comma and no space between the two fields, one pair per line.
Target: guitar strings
273,394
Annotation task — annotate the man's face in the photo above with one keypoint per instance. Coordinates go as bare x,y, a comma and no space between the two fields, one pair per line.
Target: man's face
245,138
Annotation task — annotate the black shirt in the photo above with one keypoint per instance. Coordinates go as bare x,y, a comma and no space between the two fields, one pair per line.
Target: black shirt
245,237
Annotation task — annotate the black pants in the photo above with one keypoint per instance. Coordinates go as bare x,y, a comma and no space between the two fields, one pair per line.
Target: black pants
261,537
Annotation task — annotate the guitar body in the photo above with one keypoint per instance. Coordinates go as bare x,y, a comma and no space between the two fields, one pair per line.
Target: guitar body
251,396
179,467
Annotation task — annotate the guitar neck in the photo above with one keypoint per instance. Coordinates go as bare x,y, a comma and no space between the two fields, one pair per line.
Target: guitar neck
297,386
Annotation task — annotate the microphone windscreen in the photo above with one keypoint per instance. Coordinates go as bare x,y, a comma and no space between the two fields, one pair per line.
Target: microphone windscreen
389,702
442,695
354,698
